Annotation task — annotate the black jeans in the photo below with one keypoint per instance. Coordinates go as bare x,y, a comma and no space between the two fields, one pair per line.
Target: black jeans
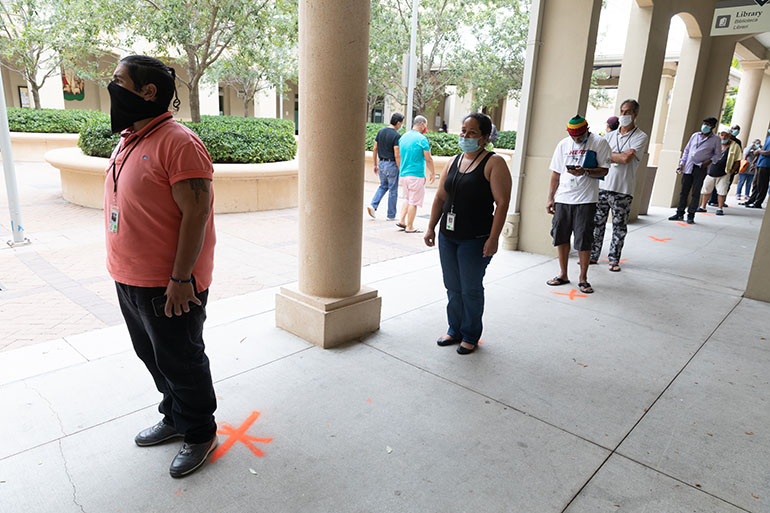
762,180
173,351
692,182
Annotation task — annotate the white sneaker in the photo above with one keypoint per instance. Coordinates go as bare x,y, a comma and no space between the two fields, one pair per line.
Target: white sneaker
371,211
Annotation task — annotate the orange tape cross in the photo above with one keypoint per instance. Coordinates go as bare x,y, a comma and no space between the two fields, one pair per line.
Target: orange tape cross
660,240
572,294
682,224
239,435
621,261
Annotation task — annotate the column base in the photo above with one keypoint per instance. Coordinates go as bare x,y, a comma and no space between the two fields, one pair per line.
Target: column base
327,322
510,234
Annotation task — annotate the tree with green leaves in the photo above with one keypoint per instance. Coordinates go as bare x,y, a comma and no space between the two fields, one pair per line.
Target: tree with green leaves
269,59
386,52
194,34
40,37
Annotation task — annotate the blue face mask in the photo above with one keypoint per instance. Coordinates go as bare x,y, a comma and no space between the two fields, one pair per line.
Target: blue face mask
705,129
735,133
725,141
469,144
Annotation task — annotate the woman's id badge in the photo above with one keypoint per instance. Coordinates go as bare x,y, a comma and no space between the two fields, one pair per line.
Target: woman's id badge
450,221
114,218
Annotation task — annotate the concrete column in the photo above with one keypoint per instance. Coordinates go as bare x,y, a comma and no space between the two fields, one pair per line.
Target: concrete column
761,120
561,76
758,286
748,94
328,306
51,94
699,92
639,76
661,113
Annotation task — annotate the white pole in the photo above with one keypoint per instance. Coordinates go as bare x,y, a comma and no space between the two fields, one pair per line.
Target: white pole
10,173
412,77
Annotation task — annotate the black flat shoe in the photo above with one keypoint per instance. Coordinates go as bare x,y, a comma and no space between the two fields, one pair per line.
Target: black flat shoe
446,341
191,456
157,434
463,350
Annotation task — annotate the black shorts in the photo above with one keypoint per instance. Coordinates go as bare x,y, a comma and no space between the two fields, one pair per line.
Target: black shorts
577,219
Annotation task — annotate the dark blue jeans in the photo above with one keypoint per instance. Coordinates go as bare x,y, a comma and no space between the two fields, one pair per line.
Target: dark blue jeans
744,180
463,266
173,351
388,182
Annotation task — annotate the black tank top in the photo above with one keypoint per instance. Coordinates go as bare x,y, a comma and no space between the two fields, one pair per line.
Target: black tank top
469,196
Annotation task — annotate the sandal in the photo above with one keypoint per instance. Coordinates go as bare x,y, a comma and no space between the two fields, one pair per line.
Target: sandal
402,226
556,281
586,288
413,231
614,267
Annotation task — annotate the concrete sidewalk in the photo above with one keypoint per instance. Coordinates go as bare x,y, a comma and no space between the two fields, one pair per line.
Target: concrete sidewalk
651,395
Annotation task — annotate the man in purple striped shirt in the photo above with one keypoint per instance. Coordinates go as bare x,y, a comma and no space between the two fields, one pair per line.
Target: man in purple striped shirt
702,149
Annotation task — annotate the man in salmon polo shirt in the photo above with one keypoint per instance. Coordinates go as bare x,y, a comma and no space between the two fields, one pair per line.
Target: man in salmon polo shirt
160,252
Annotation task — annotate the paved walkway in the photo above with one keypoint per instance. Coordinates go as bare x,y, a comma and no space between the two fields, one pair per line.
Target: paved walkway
63,270
651,395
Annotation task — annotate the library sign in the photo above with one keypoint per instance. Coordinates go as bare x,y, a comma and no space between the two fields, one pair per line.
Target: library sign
741,17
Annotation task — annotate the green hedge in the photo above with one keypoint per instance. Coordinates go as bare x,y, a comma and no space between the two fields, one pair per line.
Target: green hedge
57,121
228,139
506,139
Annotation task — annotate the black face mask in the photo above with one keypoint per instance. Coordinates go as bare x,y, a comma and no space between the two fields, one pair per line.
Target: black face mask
127,107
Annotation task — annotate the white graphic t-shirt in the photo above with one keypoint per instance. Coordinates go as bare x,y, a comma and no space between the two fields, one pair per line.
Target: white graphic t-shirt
576,190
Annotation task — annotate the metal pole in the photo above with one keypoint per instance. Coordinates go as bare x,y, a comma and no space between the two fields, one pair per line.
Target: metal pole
412,77
10,173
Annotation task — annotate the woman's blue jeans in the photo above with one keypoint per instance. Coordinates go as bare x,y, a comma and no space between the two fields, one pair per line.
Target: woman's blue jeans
745,180
463,266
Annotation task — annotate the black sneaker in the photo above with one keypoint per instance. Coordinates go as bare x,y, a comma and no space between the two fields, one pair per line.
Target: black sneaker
676,217
191,456
157,434
701,209
720,212
690,220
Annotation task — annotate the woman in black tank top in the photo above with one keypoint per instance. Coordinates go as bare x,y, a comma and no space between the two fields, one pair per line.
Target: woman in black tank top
471,204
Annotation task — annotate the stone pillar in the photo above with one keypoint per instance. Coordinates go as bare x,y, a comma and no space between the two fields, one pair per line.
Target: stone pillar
565,56
328,306
639,76
748,94
699,92
758,286
661,113
761,121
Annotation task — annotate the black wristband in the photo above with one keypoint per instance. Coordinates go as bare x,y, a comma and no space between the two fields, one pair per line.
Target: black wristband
180,281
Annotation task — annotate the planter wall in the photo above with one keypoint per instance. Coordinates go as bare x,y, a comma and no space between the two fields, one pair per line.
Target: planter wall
237,187
31,147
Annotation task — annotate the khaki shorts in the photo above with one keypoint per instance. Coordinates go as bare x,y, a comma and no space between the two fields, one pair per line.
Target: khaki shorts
722,184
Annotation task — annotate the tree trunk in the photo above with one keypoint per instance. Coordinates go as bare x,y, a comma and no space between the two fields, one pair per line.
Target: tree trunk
245,107
195,100
35,94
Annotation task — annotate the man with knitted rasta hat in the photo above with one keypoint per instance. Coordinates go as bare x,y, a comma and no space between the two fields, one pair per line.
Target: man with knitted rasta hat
579,162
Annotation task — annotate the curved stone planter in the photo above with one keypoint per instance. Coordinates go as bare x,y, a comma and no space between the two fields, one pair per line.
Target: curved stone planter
237,187
30,147
438,164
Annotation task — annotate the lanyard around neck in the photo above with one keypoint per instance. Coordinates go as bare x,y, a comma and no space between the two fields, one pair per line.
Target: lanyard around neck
116,176
459,176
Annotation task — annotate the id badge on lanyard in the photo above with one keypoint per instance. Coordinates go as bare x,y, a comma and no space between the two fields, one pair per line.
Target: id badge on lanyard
450,221
112,225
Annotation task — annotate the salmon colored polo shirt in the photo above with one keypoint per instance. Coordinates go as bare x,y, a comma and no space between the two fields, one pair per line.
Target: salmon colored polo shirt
143,250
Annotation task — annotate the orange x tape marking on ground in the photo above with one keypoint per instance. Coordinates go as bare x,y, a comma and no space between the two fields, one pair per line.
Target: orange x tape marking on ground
621,261
660,240
705,214
682,224
239,435
572,294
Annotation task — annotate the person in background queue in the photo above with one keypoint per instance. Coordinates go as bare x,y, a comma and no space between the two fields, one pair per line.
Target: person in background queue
761,176
616,191
746,173
718,175
471,205
387,161
579,160
416,160
702,150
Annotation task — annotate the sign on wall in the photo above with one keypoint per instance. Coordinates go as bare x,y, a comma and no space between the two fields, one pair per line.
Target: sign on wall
73,87
741,17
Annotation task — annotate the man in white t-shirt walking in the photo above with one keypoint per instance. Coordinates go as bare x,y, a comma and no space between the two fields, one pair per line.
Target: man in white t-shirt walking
616,192
578,163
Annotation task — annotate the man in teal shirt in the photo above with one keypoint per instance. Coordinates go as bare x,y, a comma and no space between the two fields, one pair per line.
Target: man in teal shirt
415,158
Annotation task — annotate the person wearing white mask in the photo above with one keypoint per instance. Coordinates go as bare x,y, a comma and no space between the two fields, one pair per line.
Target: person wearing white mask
761,177
616,191
719,173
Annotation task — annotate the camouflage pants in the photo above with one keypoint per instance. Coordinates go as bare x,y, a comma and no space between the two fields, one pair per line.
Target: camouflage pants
620,204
